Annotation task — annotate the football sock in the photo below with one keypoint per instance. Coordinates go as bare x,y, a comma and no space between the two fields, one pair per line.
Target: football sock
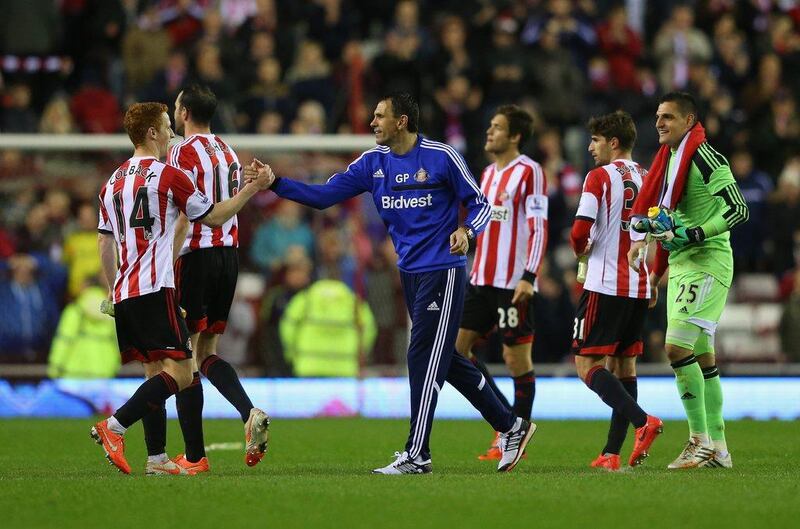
618,427
713,400
524,391
157,458
189,404
115,426
489,379
223,376
691,388
155,431
148,397
610,389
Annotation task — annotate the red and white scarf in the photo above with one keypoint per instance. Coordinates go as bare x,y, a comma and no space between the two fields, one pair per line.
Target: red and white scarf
664,190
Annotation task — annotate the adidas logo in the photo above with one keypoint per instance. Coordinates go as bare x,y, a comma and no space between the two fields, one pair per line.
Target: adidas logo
684,310
377,174
433,306
687,396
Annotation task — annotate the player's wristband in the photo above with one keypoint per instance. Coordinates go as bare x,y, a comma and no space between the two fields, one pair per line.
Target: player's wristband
695,234
529,276
274,182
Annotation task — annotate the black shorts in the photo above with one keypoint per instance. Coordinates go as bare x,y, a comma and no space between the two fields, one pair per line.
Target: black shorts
608,325
487,307
206,281
150,328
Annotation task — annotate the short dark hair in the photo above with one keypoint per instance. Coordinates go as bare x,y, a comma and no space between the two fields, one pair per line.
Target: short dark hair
519,121
404,104
140,117
685,101
618,125
200,102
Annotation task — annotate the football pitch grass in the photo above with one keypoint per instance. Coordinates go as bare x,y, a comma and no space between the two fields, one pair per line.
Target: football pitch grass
316,474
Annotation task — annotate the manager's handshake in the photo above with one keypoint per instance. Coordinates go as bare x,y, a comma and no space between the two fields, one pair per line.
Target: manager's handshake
259,172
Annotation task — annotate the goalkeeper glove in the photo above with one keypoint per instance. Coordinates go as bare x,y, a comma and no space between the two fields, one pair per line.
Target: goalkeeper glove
679,235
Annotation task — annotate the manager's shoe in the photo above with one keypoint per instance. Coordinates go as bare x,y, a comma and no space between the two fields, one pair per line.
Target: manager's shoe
513,443
403,464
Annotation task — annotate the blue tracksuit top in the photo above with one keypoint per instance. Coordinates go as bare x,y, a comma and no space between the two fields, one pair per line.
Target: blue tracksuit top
417,195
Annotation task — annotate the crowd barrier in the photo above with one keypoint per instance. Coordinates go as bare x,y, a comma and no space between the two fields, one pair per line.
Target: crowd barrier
759,398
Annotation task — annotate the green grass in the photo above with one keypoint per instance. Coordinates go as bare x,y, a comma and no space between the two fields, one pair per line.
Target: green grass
317,475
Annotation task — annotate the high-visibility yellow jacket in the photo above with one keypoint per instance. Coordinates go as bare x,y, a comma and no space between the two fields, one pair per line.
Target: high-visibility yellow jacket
326,331
85,345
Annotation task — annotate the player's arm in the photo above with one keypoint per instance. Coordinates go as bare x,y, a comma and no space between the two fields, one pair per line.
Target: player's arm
591,197
472,198
106,245
181,229
186,160
536,204
721,184
338,188
199,208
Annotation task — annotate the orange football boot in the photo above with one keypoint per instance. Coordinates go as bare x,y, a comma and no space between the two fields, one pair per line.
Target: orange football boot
493,453
608,462
644,438
191,468
113,445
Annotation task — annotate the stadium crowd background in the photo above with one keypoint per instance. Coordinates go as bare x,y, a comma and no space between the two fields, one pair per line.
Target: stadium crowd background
318,67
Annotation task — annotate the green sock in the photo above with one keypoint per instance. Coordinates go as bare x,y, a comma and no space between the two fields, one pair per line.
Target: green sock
691,386
713,397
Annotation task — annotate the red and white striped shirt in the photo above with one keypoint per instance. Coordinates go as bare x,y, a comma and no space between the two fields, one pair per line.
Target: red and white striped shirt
516,238
139,205
215,170
608,195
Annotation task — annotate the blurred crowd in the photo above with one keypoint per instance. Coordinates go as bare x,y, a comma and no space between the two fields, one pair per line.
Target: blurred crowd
318,67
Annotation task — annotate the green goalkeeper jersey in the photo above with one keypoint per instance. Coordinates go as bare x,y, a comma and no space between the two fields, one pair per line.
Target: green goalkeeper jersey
712,200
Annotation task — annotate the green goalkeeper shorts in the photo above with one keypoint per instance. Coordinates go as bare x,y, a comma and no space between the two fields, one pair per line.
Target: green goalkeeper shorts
695,302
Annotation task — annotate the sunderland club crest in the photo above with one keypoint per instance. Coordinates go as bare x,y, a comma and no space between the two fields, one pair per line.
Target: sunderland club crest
421,176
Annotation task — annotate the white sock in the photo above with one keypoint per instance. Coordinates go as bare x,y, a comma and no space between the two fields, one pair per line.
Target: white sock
721,447
701,437
115,426
160,458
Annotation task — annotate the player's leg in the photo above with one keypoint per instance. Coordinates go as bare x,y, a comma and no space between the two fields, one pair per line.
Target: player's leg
516,327
713,399
477,319
146,332
695,302
601,321
150,395
624,368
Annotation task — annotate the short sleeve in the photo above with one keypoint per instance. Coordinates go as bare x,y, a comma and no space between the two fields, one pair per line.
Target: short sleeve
590,197
187,197
104,222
